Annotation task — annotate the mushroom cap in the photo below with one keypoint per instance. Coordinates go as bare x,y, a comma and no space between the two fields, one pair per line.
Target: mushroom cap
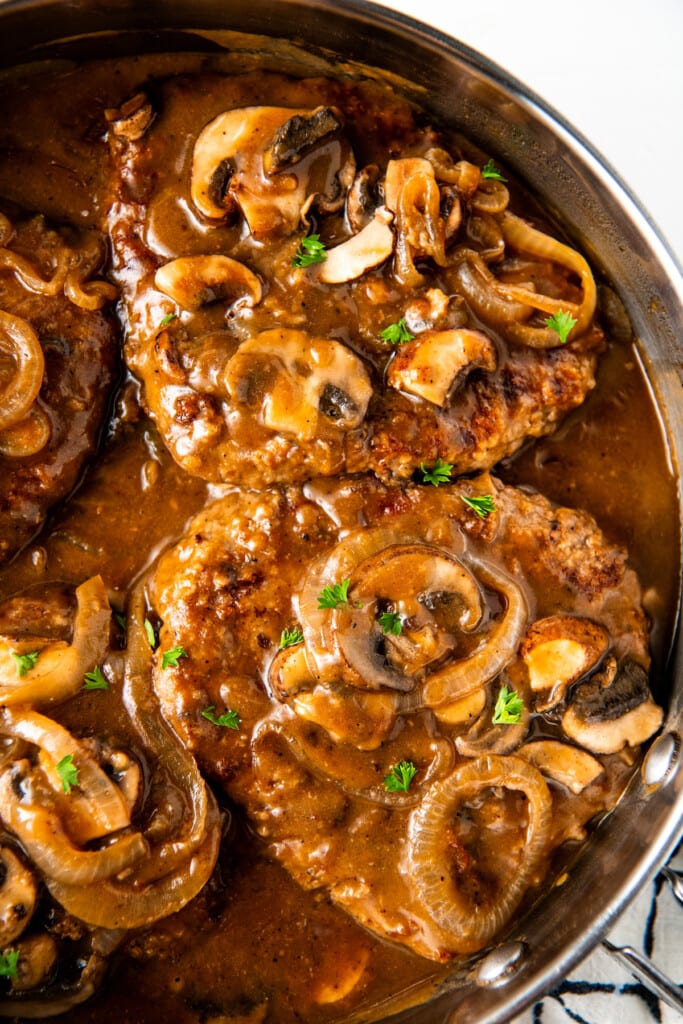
430,366
194,281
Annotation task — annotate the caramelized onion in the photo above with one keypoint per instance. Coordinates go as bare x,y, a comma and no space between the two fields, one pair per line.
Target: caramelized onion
89,295
61,667
462,677
468,923
27,437
19,342
24,270
40,830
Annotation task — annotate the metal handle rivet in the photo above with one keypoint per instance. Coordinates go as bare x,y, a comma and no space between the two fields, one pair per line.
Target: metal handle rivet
661,760
498,966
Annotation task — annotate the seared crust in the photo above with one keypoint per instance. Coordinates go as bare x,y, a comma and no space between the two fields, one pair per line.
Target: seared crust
81,355
221,431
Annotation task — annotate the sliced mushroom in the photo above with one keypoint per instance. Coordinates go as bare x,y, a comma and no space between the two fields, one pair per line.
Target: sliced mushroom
362,252
613,709
349,715
294,380
298,136
483,737
562,762
557,651
463,711
18,894
431,365
289,672
233,154
412,194
363,198
36,963
132,119
194,281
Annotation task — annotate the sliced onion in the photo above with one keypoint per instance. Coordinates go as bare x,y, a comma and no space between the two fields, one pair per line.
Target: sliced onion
97,807
59,671
24,270
40,830
27,437
469,924
89,295
462,677
6,229
19,341
491,197
491,303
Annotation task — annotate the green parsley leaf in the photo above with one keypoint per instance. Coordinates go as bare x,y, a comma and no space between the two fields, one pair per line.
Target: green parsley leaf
25,662
397,334
8,963
289,637
482,504
150,634
440,473
509,707
95,680
391,623
229,719
490,172
311,250
168,319
121,619
562,323
68,772
400,777
334,595
169,659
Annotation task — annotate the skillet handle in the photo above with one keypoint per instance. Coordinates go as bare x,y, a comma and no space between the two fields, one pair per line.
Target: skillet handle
645,971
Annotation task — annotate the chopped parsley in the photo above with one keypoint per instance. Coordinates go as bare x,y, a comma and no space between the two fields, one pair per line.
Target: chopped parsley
390,623
121,619
334,595
229,719
311,250
491,173
168,319
169,659
482,504
95,680
25,662
289,637
397,334
150,634
9,960
440,473
400,777
509,707
68,772
562,323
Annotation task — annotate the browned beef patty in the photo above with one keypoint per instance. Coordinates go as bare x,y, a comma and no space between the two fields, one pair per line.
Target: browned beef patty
46,289
312,642
257,370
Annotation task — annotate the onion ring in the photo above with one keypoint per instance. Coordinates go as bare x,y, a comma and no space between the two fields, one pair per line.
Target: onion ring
19,341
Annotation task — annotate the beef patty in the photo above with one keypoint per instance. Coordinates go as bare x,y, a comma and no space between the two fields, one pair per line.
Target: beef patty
53,318
389,679
316,281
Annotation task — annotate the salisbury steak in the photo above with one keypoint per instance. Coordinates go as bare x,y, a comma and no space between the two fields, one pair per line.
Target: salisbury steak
59,353
314,282
389,680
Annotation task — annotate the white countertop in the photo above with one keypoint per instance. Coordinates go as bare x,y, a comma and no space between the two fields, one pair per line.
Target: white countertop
614,72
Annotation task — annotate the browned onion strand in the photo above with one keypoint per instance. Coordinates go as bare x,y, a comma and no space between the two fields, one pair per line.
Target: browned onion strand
19,341
467,924
27,437
30,277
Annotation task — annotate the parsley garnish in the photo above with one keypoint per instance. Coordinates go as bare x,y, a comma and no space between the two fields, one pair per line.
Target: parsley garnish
400,777
397,334
169,318
121,619
8,964
482,504
150,634
491,172
440,473
25,662
390,623
311,250
562,323
509,707
95,680
289,637
334,595
169,659
229,719
68,772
